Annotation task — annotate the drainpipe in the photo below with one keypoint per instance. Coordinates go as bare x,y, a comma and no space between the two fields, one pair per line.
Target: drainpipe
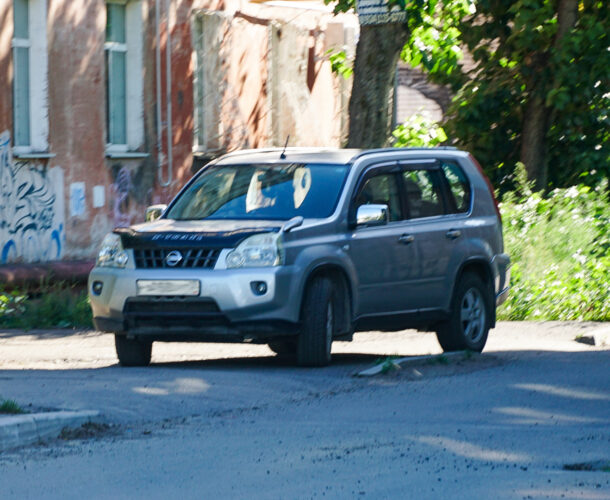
158,84
168,75
168,110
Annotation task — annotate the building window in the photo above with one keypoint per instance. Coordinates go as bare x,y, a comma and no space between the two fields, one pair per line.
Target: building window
123,64
21,80
115,53
30,97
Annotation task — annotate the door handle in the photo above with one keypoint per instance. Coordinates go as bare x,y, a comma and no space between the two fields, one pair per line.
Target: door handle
405,239
452,234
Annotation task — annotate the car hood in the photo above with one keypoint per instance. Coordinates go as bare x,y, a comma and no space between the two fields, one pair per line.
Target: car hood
206,233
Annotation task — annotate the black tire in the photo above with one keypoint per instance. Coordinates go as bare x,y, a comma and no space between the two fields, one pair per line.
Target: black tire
317,324
132,352
283,348
469,319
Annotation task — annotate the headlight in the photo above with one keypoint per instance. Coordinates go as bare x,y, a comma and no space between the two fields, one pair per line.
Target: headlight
260,250
111,253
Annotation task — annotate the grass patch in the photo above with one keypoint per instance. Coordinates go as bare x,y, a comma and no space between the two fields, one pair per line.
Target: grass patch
441,359
47,306
9,406
559,245
387,364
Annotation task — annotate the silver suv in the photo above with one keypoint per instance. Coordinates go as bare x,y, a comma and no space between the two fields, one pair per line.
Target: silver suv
299,247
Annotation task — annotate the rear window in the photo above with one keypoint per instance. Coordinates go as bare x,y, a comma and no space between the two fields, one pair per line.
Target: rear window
459,187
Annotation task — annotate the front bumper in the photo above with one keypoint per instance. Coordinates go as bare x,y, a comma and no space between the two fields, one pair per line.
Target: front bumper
227,308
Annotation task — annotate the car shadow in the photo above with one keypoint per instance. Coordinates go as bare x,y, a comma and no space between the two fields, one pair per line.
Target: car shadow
271,361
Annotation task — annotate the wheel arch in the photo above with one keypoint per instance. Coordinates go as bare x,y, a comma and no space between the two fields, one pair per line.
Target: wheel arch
338,275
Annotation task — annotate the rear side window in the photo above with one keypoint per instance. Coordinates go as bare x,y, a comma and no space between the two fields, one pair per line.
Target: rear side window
423,192
459,187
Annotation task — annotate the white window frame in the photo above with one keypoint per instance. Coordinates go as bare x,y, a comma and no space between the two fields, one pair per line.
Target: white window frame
38,97
134,91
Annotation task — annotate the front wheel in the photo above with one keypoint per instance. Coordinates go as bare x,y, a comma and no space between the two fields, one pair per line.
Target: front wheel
132,352
469,319
317,324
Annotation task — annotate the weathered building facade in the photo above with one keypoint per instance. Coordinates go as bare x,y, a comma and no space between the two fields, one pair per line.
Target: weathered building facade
107,106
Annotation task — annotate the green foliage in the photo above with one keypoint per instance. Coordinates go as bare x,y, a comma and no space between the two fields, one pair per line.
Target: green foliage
51,306
11,407
559,248
519,58
434,44
418,131
339,63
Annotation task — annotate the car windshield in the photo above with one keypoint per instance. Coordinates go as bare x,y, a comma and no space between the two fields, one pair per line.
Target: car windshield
280,191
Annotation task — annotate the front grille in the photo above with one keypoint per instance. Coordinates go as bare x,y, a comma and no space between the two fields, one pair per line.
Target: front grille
170,305
153,258
166,312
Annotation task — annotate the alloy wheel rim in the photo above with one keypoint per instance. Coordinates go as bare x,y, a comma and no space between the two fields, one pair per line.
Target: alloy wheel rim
472,315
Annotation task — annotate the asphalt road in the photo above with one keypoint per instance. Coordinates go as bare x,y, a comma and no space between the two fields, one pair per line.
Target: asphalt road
233,421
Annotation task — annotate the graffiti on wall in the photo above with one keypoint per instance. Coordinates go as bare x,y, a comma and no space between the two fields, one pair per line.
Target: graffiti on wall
131,190
31,209
121,188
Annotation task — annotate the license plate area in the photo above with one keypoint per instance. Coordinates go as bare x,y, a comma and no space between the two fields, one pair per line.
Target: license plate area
168,287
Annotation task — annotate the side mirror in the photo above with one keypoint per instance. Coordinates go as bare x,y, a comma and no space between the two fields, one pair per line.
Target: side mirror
154,212
372,215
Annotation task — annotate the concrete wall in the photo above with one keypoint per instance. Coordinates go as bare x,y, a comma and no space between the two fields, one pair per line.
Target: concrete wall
266,77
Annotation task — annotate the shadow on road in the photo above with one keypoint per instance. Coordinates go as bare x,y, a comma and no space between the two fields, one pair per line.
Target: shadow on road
56,333
339,360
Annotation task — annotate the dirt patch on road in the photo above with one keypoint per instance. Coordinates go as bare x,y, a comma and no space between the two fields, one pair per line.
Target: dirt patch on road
89,430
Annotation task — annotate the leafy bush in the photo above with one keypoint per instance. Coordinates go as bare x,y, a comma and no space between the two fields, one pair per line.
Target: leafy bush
559,246
50,306
419,131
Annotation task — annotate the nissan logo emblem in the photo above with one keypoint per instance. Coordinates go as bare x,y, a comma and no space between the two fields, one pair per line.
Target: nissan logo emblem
173,258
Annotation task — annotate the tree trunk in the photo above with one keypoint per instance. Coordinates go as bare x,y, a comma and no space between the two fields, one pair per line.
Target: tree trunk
537,118
533,141
371,102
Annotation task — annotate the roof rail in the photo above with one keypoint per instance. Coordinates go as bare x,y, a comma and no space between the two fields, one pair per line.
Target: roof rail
292,149
395,150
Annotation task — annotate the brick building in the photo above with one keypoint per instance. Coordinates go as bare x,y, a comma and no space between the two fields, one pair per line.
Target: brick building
107,106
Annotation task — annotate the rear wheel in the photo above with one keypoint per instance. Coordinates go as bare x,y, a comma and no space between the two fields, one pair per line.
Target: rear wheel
317,324
469,320
132,352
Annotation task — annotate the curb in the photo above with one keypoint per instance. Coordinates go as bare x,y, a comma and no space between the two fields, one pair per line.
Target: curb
411,360
21,430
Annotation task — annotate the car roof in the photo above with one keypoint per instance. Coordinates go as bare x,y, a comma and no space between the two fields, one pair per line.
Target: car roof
314,155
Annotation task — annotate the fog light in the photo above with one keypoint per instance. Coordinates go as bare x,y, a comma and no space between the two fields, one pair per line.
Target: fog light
97,287
258,287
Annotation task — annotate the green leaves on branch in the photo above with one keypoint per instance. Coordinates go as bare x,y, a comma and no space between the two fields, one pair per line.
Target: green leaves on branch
339,63
519,56
434,44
